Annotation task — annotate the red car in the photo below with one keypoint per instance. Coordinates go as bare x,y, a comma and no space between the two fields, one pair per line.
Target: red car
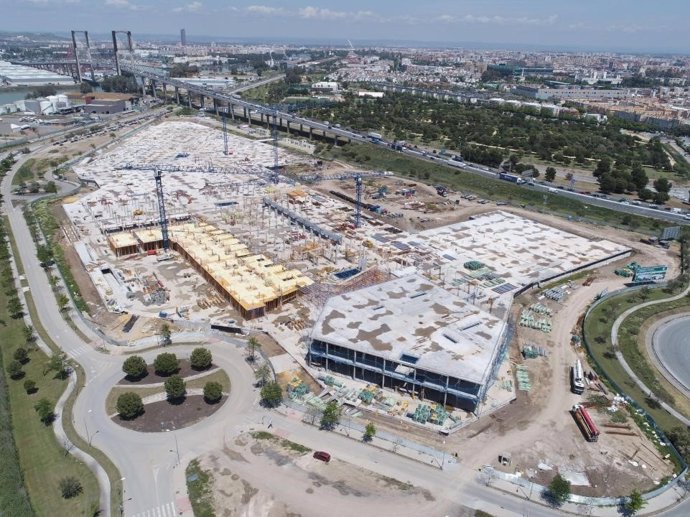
323,456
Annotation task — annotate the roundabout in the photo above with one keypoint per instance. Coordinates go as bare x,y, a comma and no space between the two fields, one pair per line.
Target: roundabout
670,347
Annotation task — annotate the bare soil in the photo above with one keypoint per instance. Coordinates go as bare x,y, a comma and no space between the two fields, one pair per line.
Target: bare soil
152,377
303,486
164,416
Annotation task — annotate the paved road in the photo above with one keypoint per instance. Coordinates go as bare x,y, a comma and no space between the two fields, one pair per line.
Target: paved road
151,463
624,363
670,340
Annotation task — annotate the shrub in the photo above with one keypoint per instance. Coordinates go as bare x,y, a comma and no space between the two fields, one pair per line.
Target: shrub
45,410
134,367
166,364
271,394
15,370
175,388
129,405
201,359
70,487
21,355
30,386
213,391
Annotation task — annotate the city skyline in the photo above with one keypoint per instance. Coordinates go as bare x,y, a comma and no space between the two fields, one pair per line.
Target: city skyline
613,25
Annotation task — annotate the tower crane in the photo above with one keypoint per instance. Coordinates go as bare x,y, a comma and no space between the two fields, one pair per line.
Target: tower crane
158,171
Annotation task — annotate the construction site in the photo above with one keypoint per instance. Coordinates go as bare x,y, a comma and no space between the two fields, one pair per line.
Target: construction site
396,301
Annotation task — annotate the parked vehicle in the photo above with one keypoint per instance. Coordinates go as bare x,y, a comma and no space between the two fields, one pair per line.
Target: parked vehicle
322,455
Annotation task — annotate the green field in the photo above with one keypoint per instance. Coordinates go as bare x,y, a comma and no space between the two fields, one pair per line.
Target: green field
597,332
380,158
42,459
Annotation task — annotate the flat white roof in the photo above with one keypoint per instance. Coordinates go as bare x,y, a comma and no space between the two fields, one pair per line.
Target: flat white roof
412,316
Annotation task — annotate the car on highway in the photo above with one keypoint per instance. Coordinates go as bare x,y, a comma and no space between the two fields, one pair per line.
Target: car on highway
322,455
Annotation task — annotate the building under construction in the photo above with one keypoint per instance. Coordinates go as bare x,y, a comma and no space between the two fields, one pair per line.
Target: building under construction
412,336
252,283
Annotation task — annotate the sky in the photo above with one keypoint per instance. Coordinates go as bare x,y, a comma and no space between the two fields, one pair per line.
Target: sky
635,25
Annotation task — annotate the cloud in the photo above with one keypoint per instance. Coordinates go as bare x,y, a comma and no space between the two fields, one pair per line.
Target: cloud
125,4
265,9
501,20
321,14
192,7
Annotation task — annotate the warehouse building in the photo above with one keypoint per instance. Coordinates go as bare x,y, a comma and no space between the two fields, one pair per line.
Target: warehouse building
412,336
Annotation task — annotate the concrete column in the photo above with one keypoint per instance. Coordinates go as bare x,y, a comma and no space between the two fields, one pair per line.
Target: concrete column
301,128
189,99
445,394
143,86
153,90
288,126
245,112
215,105
177,95
327,354
354,364
201,101
231,108
311,133
165,93
249,117
383,374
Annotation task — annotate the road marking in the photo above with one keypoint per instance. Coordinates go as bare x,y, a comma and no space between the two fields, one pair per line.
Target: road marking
163,510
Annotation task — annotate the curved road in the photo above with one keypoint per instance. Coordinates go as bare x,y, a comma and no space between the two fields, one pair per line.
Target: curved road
151,463
626,366
668,344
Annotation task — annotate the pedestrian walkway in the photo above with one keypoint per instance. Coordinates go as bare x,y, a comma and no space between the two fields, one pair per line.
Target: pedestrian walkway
163,510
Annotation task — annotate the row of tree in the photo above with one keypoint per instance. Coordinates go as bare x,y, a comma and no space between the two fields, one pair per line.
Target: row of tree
469,128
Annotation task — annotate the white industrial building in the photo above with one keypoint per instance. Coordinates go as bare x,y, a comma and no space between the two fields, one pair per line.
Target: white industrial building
18,75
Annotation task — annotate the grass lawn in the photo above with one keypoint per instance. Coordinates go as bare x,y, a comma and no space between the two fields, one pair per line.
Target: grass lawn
43,460
380,158
200,486
112,471
597,330
217,376
111,399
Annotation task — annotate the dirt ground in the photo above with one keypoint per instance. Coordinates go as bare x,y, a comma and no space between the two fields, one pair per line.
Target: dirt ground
303,486
164,416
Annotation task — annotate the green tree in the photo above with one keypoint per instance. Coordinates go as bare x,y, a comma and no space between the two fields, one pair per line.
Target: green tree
44,255
14,307
85,88
331,415
369,432
166,364
201,358
175,388
28,333
22,355
639,177
129,405
50,187
262,374
62,302
252,346
645,194
213,392
58,364
135,367
559,490
14,369
603,167
70,487
662,185
661,197
45,410
635,503
30,386
271,394
550,174
166,335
